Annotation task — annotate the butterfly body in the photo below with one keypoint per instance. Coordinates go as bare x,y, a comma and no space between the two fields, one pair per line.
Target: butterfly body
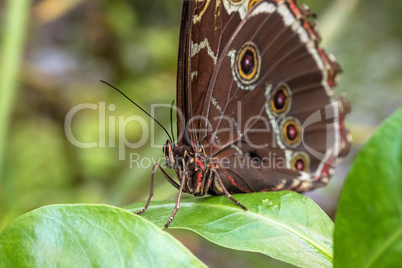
194,166
255,111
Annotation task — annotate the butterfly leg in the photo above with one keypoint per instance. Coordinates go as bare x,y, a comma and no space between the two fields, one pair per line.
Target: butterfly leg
151,188
208,182
176,208
228,195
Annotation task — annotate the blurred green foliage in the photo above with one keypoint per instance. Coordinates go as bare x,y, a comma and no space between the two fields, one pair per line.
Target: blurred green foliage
376,207
133,44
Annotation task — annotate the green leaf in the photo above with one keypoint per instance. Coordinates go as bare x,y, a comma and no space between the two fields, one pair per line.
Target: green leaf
89,236
369,222
283,225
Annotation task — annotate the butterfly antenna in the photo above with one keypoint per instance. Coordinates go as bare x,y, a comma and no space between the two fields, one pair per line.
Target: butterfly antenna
170,138
171,120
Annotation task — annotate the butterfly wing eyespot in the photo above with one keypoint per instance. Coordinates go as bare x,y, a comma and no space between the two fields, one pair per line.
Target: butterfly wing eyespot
248,63
291,132
300,162
281,100
252,3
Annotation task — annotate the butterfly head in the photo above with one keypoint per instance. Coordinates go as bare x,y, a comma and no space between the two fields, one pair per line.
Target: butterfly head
168,149
174,153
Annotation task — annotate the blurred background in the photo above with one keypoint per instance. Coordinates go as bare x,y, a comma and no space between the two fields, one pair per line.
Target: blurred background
66,47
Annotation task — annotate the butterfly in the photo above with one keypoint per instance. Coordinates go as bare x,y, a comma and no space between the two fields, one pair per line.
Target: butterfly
254,105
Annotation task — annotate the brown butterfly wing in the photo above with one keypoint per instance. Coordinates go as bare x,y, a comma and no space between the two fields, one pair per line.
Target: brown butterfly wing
244,130
288,60
205,29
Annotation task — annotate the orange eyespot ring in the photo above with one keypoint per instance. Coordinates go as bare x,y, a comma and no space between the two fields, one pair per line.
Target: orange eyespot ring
281,100
300,162
292,132
252,3
248,63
